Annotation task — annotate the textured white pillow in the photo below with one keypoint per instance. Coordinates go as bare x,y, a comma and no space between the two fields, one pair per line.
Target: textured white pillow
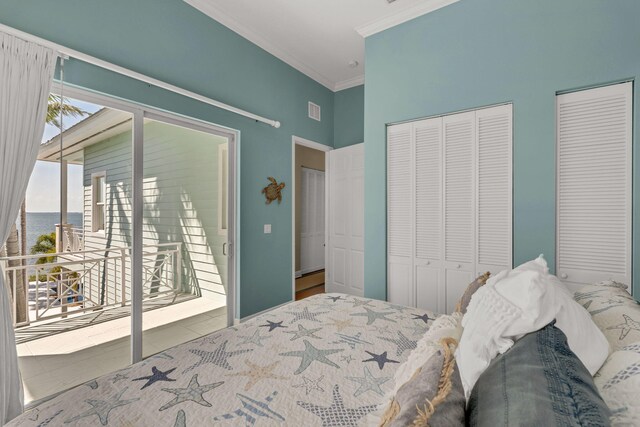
516,302
619,381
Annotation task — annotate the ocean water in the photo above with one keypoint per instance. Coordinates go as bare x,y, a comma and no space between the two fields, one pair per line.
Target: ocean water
39,223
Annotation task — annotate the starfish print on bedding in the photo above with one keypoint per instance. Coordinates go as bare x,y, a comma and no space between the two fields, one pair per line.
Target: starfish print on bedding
192,393
251,409
418,330
626,373
118,377
635,347
102,408
369,383
305,315
337,414
156,375
384,330
338,298
425,318
360,302
273,325
347,359
181,419
311,354
254,339
341,324
402,342
626,327
397,307
47,421
303,332
93,384
208,340
372,316
351,340
257,373
380,359
218,357
310,385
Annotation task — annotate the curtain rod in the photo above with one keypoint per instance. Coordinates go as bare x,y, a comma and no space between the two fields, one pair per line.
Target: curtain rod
67,52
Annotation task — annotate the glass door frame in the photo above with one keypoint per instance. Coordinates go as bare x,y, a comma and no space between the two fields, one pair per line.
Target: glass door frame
140,113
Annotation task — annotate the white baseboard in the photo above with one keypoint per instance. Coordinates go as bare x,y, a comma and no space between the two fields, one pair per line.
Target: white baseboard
244,319
310,270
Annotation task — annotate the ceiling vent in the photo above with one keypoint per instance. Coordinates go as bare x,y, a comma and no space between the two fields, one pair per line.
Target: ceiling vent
314,111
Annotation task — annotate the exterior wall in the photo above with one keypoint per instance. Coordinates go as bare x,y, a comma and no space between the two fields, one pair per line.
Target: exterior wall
308,158
482,52
348,117
180,200
171,41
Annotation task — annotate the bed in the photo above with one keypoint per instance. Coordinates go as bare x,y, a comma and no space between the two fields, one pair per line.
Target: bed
325,360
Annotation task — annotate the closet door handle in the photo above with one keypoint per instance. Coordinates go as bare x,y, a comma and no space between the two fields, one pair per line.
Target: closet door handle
224,249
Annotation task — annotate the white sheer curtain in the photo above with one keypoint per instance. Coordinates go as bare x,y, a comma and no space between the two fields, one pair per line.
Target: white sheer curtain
26,73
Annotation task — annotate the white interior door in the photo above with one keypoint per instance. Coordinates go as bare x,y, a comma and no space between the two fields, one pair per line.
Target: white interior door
594,185
459,205
345,208
312,230
400,201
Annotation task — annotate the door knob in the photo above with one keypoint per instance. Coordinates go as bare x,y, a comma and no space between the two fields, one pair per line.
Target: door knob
564,276
458,266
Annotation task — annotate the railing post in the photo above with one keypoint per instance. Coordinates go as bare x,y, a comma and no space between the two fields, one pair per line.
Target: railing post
58,238
178,269
123,276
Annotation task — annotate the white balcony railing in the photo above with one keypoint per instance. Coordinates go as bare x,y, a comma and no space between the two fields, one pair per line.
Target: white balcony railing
69,238
81,281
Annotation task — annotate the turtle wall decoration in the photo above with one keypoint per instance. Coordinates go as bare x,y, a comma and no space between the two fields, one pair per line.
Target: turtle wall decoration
273,191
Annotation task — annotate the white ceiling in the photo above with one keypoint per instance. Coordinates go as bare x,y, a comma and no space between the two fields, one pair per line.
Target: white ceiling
318,37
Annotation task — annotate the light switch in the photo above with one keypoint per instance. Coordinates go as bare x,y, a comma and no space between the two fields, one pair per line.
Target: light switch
267,229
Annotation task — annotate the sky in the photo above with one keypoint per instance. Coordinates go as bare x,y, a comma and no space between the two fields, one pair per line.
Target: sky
43,192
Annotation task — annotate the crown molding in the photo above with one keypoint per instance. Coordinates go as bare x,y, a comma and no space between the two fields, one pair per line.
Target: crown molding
349,83
213,12
405,15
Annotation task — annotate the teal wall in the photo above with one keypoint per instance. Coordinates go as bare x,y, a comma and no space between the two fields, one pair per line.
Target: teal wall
348,111
480,52
169,40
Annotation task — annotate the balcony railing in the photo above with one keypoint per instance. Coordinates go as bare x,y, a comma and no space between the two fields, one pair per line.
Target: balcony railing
69,238
82,281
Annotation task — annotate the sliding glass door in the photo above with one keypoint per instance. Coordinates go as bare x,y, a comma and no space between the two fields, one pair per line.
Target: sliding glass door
185,273
130,216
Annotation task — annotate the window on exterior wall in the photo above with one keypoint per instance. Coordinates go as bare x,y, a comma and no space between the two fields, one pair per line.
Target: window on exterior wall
223,184
99,190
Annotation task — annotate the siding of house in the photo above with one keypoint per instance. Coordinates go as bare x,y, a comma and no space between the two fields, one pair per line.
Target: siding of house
180,200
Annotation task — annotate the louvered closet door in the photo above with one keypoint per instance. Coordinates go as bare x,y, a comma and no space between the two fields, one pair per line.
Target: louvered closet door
459,205
594,184
400,214
427,135
494,189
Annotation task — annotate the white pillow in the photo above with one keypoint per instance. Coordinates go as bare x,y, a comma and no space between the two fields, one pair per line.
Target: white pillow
618,382
516,302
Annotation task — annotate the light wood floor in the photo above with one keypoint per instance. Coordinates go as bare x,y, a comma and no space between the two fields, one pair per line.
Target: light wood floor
310,292
310,284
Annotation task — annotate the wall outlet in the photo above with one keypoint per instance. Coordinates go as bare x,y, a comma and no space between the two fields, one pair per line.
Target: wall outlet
267,229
